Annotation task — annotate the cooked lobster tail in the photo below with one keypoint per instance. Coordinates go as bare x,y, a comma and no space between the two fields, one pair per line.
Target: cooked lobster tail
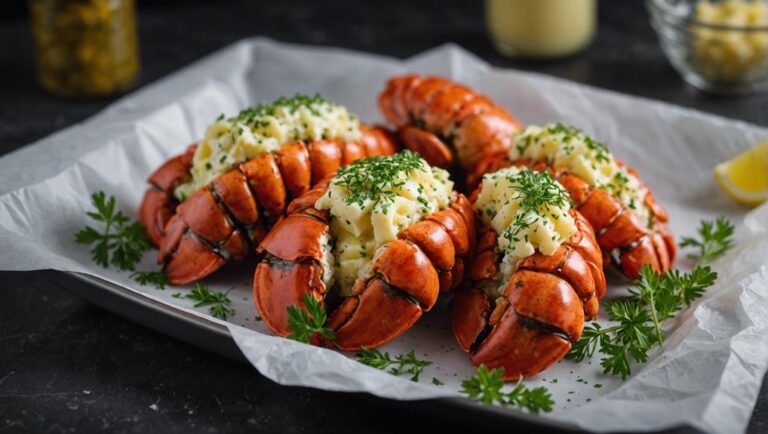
541,309
624,239
445,122
402,280
228,217
159,203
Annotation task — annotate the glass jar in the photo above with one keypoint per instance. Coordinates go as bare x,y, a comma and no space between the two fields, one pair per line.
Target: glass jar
541,28
85,47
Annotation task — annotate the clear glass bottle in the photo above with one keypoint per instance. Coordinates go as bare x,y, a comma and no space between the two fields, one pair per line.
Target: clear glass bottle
85,48
541,28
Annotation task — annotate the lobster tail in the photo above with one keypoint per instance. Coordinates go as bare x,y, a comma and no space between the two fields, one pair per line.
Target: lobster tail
539,312
445,122
401,282
231,215
159,203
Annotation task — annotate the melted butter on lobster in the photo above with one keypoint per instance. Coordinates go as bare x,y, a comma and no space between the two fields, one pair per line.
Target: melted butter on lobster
219,198
371,202
537,274
585,157
631,227
383,237
266,128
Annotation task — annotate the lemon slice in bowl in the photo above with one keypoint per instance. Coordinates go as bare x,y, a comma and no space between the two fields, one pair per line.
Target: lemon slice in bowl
745,177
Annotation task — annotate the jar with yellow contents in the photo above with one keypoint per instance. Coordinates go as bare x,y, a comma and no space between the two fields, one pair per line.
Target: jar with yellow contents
85,48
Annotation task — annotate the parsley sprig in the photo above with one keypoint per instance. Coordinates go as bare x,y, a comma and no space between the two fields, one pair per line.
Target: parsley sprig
304,323
486,387
715,238
218,302
407,363
156,278
120,242
655,298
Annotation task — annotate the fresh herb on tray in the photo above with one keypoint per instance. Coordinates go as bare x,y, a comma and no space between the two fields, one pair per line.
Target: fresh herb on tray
305,323
655,298
156,278
715,238
404,363
486,387
120,242
218,302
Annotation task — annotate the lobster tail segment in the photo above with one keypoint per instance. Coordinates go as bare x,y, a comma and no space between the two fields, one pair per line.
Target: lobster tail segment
447,123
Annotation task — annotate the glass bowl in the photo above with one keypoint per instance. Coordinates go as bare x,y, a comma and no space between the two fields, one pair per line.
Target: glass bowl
725,56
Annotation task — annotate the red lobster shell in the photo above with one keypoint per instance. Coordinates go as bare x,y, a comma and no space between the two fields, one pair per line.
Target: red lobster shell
621,234
446,122
405,277
221,220
542,309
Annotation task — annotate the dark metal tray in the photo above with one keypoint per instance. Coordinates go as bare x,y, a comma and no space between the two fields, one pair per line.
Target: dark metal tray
214,337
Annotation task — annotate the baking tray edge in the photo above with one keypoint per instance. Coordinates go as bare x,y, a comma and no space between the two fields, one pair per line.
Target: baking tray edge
214,337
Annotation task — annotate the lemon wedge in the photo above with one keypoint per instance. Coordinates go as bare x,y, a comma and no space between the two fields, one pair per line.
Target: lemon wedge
745,177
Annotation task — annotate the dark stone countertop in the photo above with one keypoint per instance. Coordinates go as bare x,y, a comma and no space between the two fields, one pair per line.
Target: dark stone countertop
68,366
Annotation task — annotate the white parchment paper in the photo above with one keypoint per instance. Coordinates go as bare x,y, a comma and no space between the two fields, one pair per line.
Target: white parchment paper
707,376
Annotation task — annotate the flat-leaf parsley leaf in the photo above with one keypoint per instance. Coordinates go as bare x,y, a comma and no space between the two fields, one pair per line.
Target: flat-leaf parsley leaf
486,387
406,363
715,238
655,298
120,242
304,323
218,302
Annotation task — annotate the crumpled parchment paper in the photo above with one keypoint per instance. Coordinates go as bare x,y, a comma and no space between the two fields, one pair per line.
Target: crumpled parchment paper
710,371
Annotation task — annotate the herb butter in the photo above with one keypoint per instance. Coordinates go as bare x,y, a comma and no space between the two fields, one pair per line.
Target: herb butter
266,128
529,211
372,200
570,149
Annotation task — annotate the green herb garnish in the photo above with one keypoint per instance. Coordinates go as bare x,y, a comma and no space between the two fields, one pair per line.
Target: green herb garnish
485,386
120,242
304,323
375,178
254,115
218,302
537,190
654,299
600,152
404,363
156,278
715,238
537,193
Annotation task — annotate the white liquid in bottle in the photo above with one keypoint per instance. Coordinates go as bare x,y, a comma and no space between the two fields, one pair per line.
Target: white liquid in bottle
541,28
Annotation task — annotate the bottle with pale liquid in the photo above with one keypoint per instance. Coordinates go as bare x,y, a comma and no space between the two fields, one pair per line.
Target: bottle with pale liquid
541,28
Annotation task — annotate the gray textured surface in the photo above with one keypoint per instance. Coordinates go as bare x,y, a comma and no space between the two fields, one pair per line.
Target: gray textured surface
66,365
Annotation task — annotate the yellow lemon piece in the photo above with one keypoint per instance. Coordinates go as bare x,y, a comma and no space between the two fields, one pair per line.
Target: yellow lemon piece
745,177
